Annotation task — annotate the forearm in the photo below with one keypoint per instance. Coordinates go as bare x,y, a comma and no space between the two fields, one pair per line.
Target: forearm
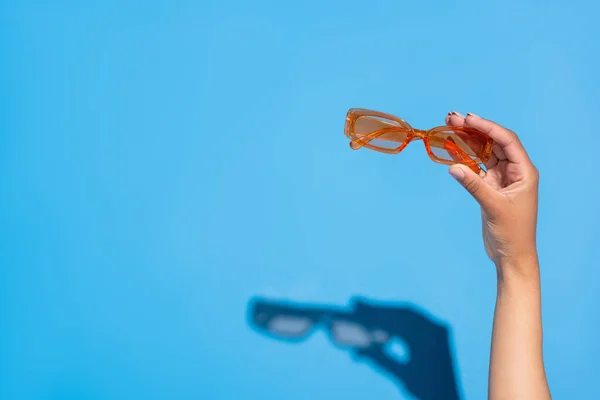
516,363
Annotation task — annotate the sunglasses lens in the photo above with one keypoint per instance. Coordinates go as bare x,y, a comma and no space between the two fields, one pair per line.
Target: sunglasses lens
459,145
380,132
348,334
291,327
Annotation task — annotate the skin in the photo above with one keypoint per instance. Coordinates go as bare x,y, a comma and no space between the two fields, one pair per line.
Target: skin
508,196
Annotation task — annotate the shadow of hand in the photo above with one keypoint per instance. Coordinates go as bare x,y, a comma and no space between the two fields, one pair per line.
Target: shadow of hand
367,330
429,372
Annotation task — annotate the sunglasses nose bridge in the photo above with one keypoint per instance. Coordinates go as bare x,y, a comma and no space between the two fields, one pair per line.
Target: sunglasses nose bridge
419,133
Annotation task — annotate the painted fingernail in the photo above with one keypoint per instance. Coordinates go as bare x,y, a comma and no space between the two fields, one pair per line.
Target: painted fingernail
473,115
457,114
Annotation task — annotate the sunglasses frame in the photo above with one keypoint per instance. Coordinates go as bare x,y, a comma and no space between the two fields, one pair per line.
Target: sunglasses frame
458,152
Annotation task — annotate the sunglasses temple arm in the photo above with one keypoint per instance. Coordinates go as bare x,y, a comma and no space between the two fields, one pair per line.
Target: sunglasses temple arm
360,142
460,156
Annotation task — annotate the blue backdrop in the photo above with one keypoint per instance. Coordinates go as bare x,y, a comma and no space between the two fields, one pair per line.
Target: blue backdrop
177,197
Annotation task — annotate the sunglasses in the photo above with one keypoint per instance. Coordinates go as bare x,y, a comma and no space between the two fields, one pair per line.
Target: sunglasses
444,144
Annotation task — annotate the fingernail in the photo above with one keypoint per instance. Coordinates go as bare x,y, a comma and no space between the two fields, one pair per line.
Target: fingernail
457,173
457,114
473,115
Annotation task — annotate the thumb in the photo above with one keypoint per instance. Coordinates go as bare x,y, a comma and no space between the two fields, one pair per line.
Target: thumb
480,190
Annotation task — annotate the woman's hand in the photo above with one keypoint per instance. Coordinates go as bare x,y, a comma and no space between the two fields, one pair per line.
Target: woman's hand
507,194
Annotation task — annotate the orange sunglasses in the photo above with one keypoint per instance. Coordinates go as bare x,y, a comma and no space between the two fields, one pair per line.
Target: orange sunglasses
444,144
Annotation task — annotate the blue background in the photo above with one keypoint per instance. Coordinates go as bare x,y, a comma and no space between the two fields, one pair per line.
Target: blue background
163,162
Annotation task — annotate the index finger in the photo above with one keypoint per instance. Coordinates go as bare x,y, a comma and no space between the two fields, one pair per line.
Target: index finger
506,139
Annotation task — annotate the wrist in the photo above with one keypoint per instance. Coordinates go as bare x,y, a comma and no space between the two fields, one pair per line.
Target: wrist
522,269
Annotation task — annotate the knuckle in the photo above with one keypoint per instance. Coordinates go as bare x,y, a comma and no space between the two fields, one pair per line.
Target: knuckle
514,138
512,133
535,173
472,186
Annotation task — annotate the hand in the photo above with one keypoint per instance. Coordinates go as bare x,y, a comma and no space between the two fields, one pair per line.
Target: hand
507,193
429,350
